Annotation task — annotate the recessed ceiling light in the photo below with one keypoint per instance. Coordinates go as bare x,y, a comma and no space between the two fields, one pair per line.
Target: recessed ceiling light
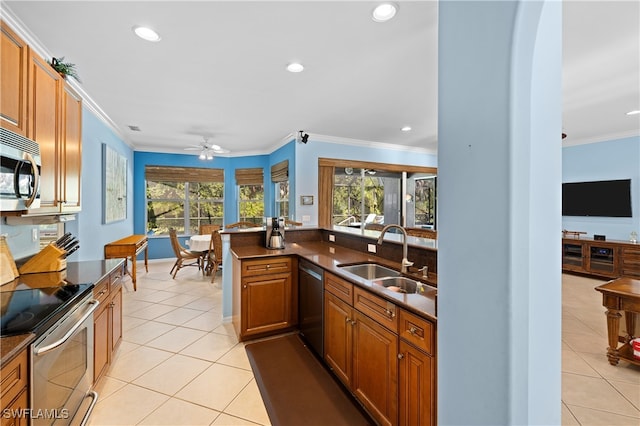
295,67
146,33
406,129
383,12
634,112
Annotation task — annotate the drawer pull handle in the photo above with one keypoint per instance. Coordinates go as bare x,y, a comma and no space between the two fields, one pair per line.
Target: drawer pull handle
390,313
102,292
413,330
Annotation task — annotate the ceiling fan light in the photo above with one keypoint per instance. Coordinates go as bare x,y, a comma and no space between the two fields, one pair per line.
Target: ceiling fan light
209,156
637,111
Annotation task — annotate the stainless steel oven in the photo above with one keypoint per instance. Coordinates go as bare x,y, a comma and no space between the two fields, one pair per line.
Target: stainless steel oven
62,368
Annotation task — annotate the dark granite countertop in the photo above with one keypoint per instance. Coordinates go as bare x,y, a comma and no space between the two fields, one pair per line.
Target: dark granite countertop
329,256
90,271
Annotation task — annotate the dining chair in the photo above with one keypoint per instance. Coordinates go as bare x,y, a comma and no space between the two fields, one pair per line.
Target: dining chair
214,255
422,232
208,229
289,222
241,224
183,256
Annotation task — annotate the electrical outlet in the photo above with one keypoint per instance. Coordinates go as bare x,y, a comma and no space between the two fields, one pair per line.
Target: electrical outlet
371,248
34,235
332,250
332,238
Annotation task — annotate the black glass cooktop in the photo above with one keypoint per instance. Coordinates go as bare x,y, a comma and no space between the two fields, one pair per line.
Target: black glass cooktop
35,309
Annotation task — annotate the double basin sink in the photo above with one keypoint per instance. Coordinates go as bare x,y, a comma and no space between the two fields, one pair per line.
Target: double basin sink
384,277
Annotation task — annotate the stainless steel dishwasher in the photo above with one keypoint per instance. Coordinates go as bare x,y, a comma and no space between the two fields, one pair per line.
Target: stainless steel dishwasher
311,305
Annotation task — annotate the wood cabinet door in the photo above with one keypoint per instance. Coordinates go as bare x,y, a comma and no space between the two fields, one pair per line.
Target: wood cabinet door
71,155
338,337
44,127
375,369
116,318
101,347
266,303
416,387
13,84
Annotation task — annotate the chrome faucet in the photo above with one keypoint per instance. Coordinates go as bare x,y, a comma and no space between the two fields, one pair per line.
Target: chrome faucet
405,261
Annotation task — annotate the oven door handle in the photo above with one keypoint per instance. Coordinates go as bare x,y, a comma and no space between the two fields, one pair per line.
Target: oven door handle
68,334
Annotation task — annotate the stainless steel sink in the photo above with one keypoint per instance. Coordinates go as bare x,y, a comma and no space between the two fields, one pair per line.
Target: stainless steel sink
400,284
370,271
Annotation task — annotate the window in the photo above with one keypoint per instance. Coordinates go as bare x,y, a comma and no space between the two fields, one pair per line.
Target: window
280,175
282,199
183,198
250,195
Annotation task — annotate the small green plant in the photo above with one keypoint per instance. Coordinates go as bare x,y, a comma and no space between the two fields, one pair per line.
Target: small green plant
65,68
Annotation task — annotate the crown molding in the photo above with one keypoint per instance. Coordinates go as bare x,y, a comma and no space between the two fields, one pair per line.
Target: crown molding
37,46
605,138
368,144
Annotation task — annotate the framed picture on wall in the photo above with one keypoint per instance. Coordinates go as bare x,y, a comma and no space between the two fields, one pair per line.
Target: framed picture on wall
114,185
306,200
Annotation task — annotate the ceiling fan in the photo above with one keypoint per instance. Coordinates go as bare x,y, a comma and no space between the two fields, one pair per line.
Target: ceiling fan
207,149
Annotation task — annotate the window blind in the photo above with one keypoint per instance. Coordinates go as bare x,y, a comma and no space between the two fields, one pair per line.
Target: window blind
183,174
280,171
250,176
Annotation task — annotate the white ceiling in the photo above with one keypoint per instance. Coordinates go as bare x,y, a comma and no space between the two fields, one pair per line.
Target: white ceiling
219,70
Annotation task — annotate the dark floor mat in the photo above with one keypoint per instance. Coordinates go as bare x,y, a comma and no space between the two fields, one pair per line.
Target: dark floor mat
296,388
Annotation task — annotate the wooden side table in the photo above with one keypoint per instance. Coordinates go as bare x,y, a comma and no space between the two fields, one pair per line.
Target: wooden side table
621,295
129,247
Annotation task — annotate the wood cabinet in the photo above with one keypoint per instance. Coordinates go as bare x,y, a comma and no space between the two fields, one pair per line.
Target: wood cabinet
417,371
265,298
361,346
610,259
107,320
36,102
14,383
13,84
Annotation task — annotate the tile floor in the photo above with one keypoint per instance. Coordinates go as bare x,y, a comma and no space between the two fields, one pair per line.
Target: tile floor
179,364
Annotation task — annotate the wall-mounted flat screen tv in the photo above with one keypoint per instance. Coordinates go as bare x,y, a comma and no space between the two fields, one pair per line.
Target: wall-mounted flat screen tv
605,198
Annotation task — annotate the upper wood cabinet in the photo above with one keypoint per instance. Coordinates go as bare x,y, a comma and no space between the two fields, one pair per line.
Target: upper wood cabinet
13,81
71,150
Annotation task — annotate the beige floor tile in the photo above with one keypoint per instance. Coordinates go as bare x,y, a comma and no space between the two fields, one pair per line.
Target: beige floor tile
146,332
152,295
108,385
248,404
630,391
227,420
180,299
125,347
206,321
176,339
592,417
152,312
203,304
210,347
131,322
624,371
216,387
178,412
134,305
178,316
226,328
598,394
567,417
127,406
172,375
236,357
134,364
586,342
573,363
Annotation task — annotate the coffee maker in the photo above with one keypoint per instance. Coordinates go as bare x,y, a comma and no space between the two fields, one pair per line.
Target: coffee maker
275,232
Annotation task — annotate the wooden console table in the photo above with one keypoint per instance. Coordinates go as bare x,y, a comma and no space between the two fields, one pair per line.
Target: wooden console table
129,247
622,294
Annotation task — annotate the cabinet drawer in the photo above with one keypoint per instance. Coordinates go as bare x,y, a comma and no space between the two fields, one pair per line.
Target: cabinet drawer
339,288
631,251
417,331
376,308
116,278
101,291
272,265
14,378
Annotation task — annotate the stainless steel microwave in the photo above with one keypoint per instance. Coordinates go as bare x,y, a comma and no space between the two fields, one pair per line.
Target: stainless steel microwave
20,163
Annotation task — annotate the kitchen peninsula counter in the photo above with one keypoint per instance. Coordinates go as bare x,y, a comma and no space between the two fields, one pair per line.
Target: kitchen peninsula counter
329,256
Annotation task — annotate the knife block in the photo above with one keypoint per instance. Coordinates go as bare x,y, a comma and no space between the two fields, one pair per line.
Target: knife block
49,259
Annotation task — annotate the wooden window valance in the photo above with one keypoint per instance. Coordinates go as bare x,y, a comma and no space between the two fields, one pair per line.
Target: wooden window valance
250,176
280,171
183,174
